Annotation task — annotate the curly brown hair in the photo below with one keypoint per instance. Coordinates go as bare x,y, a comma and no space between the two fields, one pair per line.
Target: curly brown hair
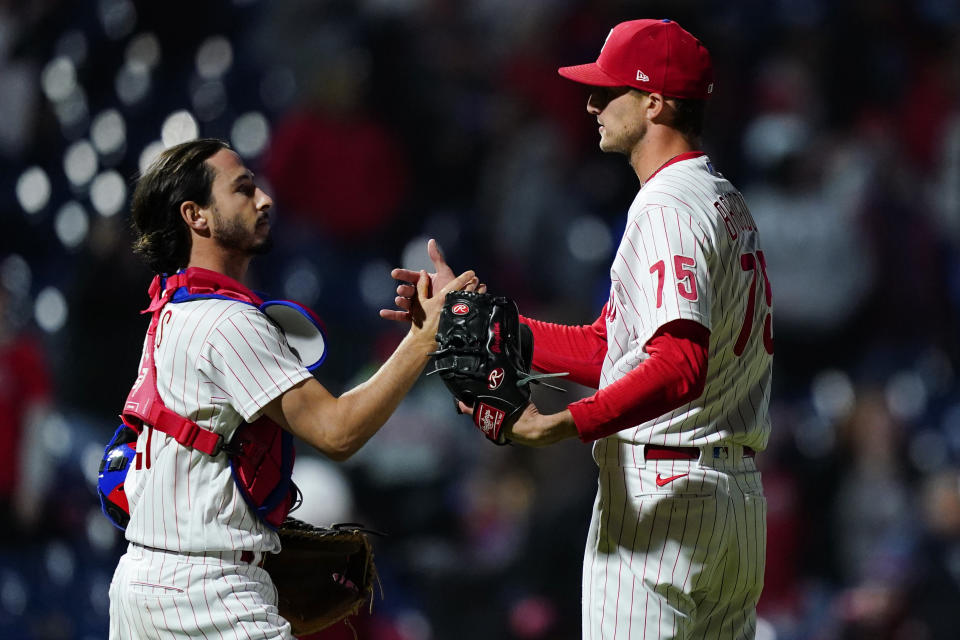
179,174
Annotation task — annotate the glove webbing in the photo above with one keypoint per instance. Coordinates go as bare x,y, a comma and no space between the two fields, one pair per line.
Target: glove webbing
535,378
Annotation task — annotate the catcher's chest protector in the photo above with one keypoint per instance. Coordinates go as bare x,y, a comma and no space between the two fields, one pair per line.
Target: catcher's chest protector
261,453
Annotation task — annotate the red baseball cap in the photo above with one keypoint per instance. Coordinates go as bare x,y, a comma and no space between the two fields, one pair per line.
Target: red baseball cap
657,56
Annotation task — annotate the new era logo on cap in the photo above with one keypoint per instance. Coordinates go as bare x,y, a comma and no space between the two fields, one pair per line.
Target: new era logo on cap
653,55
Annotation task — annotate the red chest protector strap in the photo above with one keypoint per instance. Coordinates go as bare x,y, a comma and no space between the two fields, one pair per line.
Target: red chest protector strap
143,405
261,453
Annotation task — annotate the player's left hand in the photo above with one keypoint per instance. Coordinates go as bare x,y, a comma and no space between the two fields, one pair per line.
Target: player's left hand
406,292
535,429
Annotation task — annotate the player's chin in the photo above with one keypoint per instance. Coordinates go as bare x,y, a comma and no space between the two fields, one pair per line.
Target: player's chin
263,245
609,146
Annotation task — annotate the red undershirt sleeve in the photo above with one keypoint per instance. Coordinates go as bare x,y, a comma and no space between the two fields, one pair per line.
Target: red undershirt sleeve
579,350
674,374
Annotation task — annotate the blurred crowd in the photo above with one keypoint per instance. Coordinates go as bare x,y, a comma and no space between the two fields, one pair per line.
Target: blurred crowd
376,124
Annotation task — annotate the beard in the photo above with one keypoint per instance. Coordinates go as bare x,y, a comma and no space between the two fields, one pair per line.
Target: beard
624,141
232,235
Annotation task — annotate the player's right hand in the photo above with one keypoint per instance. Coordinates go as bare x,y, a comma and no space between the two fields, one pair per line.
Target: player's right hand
437,280
425,308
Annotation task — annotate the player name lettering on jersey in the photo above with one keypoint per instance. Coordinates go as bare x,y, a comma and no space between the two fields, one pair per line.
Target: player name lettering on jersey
736,216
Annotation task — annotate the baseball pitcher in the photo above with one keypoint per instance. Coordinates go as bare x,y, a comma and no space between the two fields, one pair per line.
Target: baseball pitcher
680,355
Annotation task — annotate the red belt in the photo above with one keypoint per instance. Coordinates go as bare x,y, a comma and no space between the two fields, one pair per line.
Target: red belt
660,452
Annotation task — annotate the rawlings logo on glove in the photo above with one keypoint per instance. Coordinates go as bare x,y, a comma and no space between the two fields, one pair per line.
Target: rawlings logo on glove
484,359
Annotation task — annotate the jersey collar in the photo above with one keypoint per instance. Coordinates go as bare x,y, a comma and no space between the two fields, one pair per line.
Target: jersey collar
688,155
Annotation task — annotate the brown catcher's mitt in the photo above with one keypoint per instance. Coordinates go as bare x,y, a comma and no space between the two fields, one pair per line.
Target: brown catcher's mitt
322,575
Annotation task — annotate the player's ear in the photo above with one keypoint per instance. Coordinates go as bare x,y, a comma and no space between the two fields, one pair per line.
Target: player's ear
655,107
194,216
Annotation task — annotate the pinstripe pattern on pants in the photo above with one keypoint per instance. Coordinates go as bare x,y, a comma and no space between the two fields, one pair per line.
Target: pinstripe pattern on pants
161,594
680,559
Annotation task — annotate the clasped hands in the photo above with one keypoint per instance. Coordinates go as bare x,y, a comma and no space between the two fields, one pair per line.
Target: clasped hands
532,428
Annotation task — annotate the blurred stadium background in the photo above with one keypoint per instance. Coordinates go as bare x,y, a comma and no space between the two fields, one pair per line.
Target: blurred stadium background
378,123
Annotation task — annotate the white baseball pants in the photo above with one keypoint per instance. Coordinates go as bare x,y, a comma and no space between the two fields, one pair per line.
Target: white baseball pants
676,550
158,594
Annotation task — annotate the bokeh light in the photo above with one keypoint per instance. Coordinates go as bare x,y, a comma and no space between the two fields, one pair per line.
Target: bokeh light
102,535
16,275
303,282
50,309
72,112
71,224
144,50
118,17
80,163
13,593
33,189
327,496
833,394
906,395
56,435
589,239
108,193
415,256
149,154
180,126
214,57
132,83
108,132
98,583
250,134
376,288
60,563
59,79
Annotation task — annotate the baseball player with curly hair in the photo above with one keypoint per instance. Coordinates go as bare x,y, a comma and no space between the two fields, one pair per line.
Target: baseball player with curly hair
214,366
681,355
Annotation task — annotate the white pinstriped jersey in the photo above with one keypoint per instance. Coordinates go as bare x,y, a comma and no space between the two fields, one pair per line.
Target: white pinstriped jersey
218,363
690,251
676,547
